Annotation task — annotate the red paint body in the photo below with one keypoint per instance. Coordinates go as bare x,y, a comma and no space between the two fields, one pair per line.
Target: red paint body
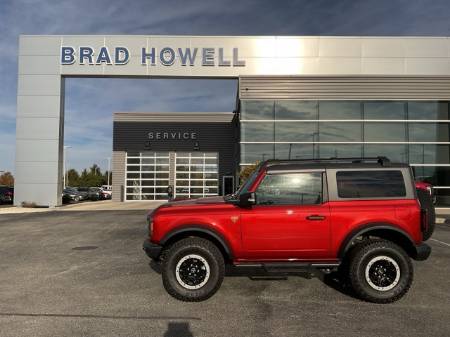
283,233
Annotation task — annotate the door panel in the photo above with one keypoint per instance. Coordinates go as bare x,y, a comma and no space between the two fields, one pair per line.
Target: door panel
290,219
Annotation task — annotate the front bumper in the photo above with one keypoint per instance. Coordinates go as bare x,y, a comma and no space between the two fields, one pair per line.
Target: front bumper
423,251
152,250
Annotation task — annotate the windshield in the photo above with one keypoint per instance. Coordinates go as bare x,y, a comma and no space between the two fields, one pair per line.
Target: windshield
249,182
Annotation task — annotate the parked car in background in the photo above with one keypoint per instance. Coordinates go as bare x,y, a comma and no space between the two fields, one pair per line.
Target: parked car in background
107,191
71,195
95,193
84,192
6,195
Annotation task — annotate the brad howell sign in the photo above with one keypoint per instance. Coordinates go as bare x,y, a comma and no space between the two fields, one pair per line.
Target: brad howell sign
172,135
166,56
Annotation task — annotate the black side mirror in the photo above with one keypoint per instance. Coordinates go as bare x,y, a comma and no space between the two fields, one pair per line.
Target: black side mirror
247,199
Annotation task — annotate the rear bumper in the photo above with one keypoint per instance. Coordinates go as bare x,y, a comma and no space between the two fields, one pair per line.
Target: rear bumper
423,251
152,250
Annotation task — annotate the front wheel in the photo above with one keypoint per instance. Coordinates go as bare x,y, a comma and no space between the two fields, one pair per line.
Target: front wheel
192,269
380,271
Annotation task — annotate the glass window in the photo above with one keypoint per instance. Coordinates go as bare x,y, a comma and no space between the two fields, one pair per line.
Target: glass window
384,110
429,154
340,132
296,110
296,151
429,132
257,110
428,110
340,151
252,153
257,131
385,132
296,131
435,175
290,189
340,110
395,152
370,184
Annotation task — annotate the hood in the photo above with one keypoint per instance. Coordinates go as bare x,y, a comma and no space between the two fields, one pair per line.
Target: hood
199,201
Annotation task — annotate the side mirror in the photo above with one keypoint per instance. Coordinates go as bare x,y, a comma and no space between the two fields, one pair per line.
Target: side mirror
247,199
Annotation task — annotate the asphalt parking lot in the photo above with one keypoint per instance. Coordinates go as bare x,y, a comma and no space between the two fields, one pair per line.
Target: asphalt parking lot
83,273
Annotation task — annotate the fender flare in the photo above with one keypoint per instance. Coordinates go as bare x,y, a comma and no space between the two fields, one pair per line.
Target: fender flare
345,245
199,229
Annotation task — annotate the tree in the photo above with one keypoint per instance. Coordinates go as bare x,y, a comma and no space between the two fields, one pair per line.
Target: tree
7,179
247,171
73,178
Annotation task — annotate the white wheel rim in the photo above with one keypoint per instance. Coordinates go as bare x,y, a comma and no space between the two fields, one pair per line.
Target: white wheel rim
203,265
376,271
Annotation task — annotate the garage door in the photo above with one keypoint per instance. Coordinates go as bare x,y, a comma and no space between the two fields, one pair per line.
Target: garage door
193,175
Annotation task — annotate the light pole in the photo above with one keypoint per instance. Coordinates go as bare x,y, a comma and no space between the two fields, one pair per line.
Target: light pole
109,168
64,165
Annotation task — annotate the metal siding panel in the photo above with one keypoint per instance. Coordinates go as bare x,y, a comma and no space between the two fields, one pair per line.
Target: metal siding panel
358,87
118,174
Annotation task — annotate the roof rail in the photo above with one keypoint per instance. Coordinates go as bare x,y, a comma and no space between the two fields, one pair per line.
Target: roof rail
383,161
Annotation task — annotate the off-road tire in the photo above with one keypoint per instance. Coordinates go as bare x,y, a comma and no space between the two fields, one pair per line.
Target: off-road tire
366,252
189,246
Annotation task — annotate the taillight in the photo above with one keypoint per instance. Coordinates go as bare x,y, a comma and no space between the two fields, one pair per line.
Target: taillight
424,220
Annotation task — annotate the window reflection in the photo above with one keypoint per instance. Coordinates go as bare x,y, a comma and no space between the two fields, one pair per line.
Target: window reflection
340,110
428,110
257,110
296,110
296,151
257,131
429,154
396,153
340,132
385,132
296,131
428,132
384,110
251,153
340,151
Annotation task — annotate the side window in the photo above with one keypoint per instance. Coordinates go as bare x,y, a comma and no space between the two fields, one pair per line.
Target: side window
290,189
370,184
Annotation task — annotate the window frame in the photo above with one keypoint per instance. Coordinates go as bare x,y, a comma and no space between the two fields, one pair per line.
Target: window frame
324,197
407,177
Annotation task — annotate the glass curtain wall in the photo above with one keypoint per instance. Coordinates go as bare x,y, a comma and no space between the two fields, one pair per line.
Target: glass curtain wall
415,132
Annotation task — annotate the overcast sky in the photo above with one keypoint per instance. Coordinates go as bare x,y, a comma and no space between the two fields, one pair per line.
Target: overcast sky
90,102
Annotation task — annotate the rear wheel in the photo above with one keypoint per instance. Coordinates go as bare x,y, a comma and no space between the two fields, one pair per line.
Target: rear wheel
380,271
192,269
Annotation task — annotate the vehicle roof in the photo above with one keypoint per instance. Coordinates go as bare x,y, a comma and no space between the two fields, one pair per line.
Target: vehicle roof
331,163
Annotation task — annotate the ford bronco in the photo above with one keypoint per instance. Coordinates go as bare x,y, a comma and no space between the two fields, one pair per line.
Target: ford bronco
360,217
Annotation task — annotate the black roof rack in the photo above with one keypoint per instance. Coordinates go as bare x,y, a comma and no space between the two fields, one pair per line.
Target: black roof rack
383,161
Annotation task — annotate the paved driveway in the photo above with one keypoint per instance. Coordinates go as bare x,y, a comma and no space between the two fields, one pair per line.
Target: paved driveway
84,274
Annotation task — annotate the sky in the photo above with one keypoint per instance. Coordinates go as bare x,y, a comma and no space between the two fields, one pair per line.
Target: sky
91,102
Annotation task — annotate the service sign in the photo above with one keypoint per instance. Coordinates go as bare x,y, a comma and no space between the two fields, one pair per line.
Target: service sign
166,56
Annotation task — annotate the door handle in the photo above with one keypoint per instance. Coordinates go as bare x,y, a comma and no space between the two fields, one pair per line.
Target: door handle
315,217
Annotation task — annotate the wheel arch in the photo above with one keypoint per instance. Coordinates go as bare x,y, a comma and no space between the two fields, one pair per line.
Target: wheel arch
382,230
202,232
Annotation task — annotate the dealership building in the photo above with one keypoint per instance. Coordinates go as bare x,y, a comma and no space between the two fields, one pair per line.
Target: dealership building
297,98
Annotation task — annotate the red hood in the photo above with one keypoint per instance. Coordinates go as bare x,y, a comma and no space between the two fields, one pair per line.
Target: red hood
199,201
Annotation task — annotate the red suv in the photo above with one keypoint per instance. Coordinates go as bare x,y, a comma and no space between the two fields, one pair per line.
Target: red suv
361,217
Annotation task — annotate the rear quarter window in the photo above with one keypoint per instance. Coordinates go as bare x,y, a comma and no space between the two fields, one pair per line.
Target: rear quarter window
370,184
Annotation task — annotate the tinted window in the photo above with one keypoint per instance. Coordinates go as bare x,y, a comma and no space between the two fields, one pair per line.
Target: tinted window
370,184
290,189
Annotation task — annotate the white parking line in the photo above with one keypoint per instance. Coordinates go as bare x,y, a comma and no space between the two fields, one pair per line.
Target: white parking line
444,243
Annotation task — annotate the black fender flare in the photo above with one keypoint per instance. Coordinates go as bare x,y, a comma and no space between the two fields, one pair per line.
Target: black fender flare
345,245
203,231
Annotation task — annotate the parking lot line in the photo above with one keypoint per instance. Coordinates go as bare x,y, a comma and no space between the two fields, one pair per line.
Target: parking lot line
442,242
